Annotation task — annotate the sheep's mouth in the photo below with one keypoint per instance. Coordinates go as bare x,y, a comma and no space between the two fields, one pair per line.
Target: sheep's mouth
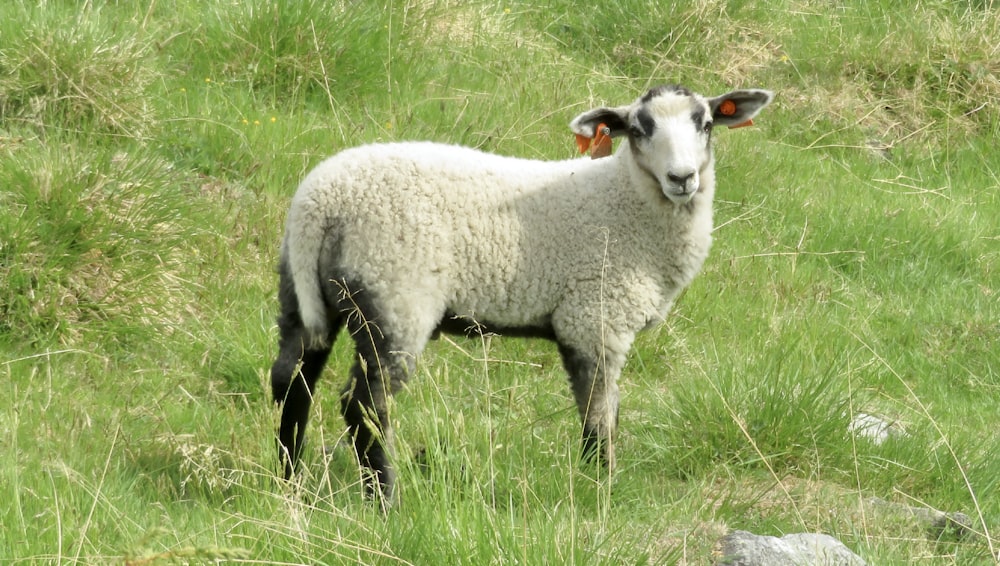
679,194
680,188
679,191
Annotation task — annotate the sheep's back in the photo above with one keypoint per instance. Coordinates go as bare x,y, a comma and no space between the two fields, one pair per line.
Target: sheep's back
431,218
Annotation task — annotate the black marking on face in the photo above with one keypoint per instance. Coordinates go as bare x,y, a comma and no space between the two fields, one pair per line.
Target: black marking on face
646,123
660,90
698,117
700,121
680,90
654,92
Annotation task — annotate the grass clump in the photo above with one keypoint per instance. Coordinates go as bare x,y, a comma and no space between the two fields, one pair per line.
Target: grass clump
74,69
756,417
92,237
287,52
871,79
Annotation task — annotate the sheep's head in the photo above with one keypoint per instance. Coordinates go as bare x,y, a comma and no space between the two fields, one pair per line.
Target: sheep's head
669,132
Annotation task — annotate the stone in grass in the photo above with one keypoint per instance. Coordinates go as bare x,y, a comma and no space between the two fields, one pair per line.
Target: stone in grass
875,429
950,527
741,548
941,526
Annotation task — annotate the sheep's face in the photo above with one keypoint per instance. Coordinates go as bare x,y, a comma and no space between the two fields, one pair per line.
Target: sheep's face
669,133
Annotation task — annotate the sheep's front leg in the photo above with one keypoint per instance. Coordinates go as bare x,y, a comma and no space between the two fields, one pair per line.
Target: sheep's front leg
593,380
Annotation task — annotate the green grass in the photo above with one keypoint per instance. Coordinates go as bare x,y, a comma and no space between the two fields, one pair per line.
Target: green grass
147,157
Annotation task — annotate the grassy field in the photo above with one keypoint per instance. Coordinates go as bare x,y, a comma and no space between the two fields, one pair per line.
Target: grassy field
148,152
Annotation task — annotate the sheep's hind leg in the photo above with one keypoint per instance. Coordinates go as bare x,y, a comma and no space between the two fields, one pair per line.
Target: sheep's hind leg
364,404
293,380
378,372
593,381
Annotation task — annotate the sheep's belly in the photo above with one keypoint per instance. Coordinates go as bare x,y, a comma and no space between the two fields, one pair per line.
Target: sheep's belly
502,307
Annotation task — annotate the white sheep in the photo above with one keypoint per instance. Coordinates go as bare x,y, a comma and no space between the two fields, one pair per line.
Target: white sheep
400,241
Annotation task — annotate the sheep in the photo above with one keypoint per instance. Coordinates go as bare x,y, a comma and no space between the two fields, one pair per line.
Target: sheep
401,241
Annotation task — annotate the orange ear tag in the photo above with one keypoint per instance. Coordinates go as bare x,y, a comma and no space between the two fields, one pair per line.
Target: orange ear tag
602,143
728,108
599,145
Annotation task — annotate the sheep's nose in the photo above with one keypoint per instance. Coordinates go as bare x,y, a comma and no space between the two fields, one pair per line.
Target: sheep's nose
680,179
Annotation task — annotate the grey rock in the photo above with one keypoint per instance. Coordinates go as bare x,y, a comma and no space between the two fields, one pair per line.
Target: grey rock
875,429
741,548
940,525
950,527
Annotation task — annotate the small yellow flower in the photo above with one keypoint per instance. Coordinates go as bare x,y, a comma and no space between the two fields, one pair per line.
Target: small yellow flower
274,119
207,80
183,89
506,10
245,121
388,125
256,122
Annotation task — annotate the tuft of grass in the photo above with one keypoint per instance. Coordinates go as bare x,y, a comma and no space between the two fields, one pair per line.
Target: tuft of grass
91,236
868,78
76,70
760,414
301,53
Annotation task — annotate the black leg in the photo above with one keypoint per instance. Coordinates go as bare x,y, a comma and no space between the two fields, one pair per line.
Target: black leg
293,380
596,395
294,375
379,371
364,406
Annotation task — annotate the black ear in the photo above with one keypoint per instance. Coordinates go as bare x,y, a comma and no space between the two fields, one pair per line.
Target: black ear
739,106
616,119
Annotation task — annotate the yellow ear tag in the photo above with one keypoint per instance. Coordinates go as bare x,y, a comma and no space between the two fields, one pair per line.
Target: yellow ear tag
599,145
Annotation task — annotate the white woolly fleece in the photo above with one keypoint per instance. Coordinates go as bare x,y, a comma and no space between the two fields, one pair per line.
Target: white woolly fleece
590,247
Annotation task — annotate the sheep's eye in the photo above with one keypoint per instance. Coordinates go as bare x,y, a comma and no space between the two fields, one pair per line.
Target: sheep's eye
635,132
708,127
